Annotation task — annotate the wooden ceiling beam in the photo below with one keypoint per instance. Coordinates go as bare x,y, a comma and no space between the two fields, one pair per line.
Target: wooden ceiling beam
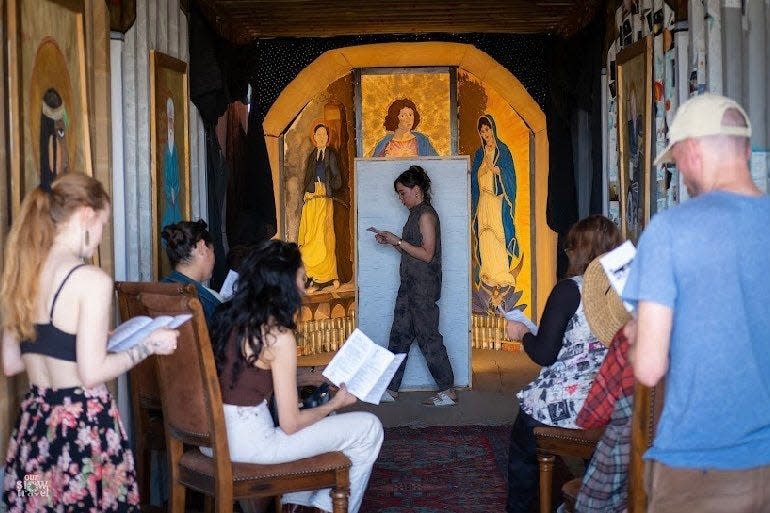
245,20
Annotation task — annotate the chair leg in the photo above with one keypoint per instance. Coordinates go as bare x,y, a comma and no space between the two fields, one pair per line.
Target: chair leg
208,504
176,490
545,462
143,465
339,499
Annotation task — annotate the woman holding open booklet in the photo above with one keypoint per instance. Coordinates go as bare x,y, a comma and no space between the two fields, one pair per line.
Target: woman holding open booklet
69,450
256,355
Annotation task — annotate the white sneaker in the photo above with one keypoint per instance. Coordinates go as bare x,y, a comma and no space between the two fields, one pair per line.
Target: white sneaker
440,399
387,397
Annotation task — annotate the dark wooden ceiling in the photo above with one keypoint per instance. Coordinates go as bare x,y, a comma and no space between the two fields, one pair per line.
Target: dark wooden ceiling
245,20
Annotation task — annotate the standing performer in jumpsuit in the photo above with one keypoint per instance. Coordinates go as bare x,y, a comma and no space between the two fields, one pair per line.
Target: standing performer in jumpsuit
416,314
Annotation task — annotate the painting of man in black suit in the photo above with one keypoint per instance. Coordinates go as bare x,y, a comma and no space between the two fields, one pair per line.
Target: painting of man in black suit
316,238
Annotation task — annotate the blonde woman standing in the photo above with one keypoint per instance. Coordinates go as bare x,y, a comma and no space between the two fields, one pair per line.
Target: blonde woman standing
69,450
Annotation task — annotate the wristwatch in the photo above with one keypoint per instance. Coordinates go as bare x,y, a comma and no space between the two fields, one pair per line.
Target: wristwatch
399,242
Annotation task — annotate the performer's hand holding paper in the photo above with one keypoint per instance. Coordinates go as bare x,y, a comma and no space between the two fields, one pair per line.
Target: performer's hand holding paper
364,367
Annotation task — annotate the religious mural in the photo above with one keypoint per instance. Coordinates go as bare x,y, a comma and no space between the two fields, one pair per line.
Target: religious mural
403,139
405,114
317,181
498,140
316,238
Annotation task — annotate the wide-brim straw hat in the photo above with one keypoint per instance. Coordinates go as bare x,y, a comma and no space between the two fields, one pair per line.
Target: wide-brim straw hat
603,307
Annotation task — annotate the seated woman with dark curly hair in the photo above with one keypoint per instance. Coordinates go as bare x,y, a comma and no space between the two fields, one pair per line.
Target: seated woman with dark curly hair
256,355
191,253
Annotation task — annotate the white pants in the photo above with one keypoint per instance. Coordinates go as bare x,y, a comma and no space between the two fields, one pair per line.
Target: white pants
253,438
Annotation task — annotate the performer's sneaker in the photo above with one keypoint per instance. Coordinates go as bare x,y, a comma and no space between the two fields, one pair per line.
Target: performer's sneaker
440,399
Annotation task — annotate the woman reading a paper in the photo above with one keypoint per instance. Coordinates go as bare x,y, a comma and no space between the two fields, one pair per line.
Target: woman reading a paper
190,252
256,355
56,314
569,353
416,313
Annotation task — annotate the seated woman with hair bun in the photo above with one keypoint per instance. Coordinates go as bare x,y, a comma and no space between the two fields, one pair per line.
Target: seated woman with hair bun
191,253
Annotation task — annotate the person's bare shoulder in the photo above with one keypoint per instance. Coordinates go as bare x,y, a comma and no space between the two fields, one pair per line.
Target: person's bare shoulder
91,279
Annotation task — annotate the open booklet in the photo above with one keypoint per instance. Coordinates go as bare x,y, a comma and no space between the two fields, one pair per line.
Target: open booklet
365,367
228,286
617,265
136,329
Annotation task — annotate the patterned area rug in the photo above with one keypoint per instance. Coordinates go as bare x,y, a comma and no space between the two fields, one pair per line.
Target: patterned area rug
440,470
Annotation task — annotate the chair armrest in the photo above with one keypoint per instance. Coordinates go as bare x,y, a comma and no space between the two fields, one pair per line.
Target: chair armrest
579,443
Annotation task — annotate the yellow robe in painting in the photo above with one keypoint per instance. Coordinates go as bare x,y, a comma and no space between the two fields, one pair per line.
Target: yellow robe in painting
316,235
491,235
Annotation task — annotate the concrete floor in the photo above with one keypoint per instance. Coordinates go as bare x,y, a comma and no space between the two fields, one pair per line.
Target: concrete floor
497,376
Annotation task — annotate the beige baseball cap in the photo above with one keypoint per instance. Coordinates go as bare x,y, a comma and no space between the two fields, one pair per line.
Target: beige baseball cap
702,116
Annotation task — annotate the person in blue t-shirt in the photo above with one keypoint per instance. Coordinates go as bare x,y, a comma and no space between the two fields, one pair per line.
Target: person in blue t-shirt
701,285
190,252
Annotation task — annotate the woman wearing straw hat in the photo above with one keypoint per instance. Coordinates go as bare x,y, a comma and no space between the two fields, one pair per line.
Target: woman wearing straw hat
569,353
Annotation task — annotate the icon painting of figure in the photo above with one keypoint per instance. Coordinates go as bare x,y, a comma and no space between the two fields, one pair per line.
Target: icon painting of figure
316,239
402,140
172,211
635,130
493,196
54,158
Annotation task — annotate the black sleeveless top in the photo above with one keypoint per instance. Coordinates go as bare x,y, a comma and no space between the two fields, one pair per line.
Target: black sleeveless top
420,278
51,341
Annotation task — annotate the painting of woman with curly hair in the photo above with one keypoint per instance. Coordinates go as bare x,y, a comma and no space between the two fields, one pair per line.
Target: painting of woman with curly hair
402,140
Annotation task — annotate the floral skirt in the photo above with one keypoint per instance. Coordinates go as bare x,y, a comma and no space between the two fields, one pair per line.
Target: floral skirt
69,452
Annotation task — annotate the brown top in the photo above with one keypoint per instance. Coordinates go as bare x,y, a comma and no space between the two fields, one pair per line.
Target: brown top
253,385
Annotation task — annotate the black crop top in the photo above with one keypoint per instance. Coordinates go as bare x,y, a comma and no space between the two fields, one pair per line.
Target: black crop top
51,341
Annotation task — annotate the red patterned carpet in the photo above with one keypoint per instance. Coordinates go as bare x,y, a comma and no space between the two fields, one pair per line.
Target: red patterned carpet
440,470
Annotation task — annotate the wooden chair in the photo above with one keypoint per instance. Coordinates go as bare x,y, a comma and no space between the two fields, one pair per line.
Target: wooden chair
648,404
555,441
193,415
147,414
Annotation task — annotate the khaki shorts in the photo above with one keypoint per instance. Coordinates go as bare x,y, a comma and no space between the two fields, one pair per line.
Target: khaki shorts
682,490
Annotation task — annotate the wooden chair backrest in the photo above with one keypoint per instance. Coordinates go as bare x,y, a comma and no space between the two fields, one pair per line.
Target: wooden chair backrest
187,379
648,404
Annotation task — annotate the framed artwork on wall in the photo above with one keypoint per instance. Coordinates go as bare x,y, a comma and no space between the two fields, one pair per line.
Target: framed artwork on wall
406,112
47,89
170,157
634,122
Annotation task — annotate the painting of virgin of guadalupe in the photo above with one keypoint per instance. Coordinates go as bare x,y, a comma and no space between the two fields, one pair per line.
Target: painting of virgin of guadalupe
403,140
493,195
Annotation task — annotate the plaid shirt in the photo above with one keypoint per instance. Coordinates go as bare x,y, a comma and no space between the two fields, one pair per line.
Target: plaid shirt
615,378
610,403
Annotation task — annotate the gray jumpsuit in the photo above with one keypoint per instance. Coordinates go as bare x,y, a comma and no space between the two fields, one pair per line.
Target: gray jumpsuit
416,313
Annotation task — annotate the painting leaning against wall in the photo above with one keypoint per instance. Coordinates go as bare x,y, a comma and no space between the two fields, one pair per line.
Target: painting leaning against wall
169,128
49,100
634,136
